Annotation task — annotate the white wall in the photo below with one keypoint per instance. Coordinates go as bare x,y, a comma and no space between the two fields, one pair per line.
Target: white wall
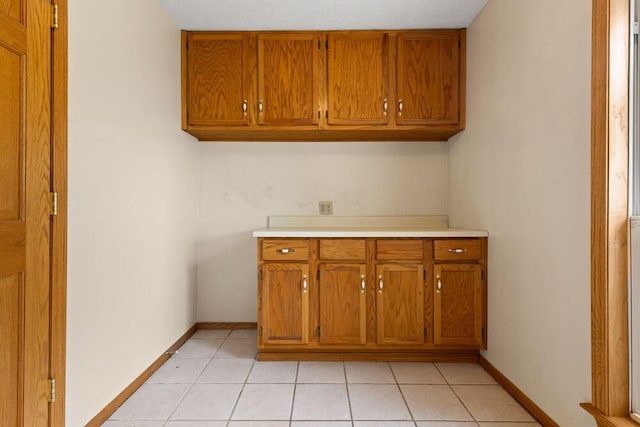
521,170
132,199
243,183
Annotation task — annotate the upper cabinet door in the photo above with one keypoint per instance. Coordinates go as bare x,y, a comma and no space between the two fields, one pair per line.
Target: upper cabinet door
217,84
428,78
358,67
288,79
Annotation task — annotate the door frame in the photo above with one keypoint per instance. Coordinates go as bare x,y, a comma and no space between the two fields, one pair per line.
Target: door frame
609,213
58,303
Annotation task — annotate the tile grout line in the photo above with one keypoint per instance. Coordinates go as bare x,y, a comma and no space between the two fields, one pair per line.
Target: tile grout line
413,418
293,396
235,405
346,384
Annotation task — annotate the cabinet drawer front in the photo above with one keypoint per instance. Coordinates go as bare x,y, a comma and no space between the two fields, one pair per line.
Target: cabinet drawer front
399,249
459,249
343,249
283,250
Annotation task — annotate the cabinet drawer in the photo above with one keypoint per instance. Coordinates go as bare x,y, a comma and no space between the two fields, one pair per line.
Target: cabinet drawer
342,249
283,250
399,249
458,249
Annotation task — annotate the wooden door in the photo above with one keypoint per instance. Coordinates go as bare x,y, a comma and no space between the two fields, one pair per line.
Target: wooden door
25,83
288,79
400,303
458,304
285,303
428,78
342,299
358,70
217,82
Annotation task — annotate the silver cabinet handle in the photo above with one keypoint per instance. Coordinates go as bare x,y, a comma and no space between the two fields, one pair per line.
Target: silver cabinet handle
457,250
385,106
260,106
400,106
380,284
438,284
244,107
362,283
285,250
304,283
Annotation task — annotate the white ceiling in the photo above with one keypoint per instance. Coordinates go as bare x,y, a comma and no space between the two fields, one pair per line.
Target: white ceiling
321,14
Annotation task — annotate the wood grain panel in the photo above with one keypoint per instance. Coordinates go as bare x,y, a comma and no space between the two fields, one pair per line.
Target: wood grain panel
357,78
457,249
609,207
399,303
285,304
287,80
12,134
12,247
342,249
285,249
11,350
428,77
218,78
342,303
406,249
14,9
458,304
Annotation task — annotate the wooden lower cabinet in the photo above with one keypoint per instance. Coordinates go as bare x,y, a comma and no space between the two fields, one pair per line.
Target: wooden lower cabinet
284,304
342,304
400,303
458,315
371,299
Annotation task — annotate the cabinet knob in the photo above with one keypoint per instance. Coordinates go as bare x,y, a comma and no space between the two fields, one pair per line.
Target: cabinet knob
438,284
244,107
304,283
385,106
400,106
362,283
260,106
380,284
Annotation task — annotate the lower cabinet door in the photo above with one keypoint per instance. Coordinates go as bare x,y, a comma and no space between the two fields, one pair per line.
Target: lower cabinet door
458,304
284,304
399,292
342,302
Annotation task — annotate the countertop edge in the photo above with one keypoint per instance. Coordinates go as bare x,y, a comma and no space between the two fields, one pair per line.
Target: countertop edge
448,232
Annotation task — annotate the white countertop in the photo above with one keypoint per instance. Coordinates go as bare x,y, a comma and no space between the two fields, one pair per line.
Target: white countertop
389,226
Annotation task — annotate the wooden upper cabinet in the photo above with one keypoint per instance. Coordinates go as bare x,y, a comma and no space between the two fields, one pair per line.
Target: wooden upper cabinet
358,78
288,79
217,81
429,77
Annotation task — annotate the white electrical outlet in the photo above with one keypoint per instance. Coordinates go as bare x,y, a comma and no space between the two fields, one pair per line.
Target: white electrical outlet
326,207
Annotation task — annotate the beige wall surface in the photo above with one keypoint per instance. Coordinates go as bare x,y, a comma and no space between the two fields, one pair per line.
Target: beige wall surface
132,199
243,183
521,170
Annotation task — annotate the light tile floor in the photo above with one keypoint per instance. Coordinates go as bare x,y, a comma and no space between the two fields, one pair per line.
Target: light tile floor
215,381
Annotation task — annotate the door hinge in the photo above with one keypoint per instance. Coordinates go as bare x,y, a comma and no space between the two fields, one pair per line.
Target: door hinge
55,23
318,331
424,274
260,275
52,390
260,331
54,204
